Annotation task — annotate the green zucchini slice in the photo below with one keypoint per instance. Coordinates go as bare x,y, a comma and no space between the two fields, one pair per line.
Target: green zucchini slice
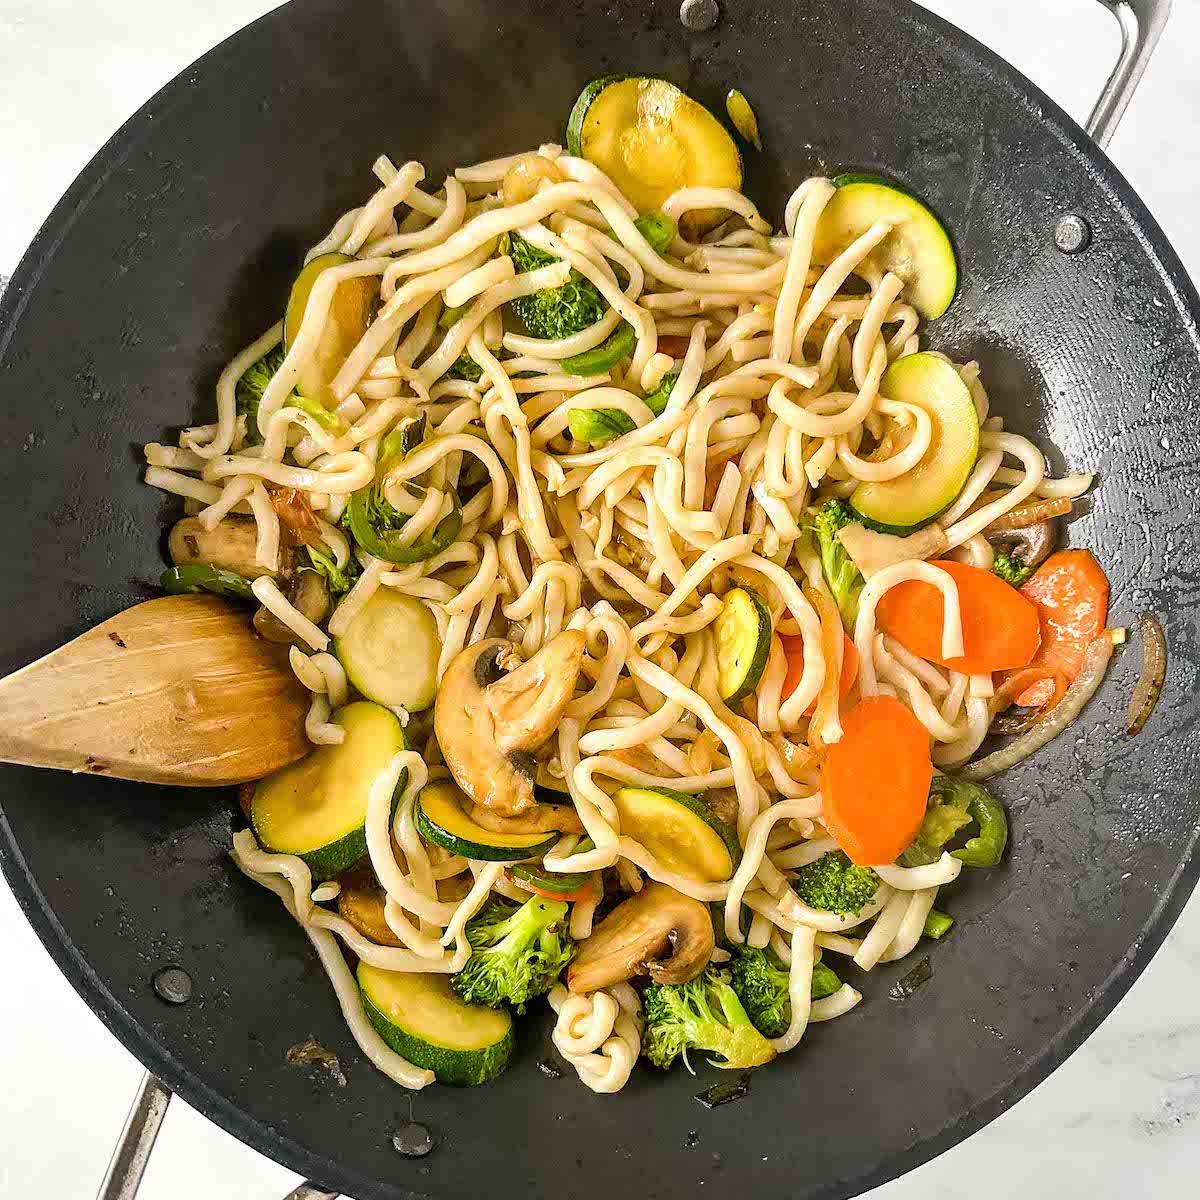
681,831
391,649
421,1018
743,644
442,820
350,313
651,140
549,881
317,808
918,249
915,498
618,345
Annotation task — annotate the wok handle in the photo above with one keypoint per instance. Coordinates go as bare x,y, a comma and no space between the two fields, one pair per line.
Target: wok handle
124,1174
1141,23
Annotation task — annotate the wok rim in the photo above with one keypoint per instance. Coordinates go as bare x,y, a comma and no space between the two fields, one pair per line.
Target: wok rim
329,1172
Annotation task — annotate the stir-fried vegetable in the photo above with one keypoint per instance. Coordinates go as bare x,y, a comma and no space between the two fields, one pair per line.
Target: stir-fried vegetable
339,580
833,883
937,924
999,624
761,982
658,229
743,118
706,1015
206,578
517,953
793,649
874,781
1011,570
465,367
955,804
844,578
598,426
249,390
618,345
1154,673
553,313
376,524
1069,592
1091,675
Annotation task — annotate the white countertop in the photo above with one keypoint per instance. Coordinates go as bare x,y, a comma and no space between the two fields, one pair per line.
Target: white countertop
1121,1118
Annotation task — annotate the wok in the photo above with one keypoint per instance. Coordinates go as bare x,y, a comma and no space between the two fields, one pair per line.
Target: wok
177,244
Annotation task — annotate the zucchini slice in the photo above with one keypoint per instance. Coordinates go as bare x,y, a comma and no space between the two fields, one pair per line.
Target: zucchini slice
317,808
681,831
743,643
915,498
391,649
350,313
549,881
651,140
421,1018
442,820
918,249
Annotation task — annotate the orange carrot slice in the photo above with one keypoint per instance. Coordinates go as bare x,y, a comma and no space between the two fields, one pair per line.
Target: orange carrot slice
793,649
1070,593
875,781
1000,626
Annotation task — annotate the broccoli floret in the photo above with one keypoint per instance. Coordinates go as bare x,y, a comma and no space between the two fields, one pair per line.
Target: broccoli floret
835,884
1011,570
338,579
250,388
554,313
704,1014
517,953
761,982
844,578
465,367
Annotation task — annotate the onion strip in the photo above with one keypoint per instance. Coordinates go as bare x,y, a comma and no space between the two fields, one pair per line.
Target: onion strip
1154,673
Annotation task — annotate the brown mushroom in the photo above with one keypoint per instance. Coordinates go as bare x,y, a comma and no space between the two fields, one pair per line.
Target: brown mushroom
230,544
541,818
1031,545
657,932
489,722
307,592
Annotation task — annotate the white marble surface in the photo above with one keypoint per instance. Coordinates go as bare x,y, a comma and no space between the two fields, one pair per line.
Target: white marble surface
1121,1118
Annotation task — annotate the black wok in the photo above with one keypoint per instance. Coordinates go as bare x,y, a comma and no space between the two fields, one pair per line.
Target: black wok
177,244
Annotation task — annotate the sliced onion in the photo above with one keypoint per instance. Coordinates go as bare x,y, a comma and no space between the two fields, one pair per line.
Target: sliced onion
831,647
1013,686
1091,675
1154,673
1025,515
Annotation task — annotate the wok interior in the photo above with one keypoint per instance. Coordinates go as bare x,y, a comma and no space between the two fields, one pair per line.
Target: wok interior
159,272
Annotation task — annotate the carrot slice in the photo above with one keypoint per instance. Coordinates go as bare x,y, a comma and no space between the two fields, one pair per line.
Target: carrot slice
1070,593
1000,626
875,781
793,649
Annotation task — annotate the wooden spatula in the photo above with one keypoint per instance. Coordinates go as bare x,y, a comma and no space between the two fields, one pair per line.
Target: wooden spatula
176,690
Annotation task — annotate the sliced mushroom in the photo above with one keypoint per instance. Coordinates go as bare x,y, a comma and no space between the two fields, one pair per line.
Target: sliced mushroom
307,592
541,818
361,903
1031,545
230,544
489,723
873,551
657,932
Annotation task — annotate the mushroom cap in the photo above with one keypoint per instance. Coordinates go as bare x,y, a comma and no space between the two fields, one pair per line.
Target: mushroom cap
488,723
657,932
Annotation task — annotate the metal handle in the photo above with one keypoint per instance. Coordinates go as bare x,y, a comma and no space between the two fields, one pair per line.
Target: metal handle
1141,23
124,1174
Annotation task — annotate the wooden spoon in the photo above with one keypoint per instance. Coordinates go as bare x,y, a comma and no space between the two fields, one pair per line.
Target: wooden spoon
176,690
